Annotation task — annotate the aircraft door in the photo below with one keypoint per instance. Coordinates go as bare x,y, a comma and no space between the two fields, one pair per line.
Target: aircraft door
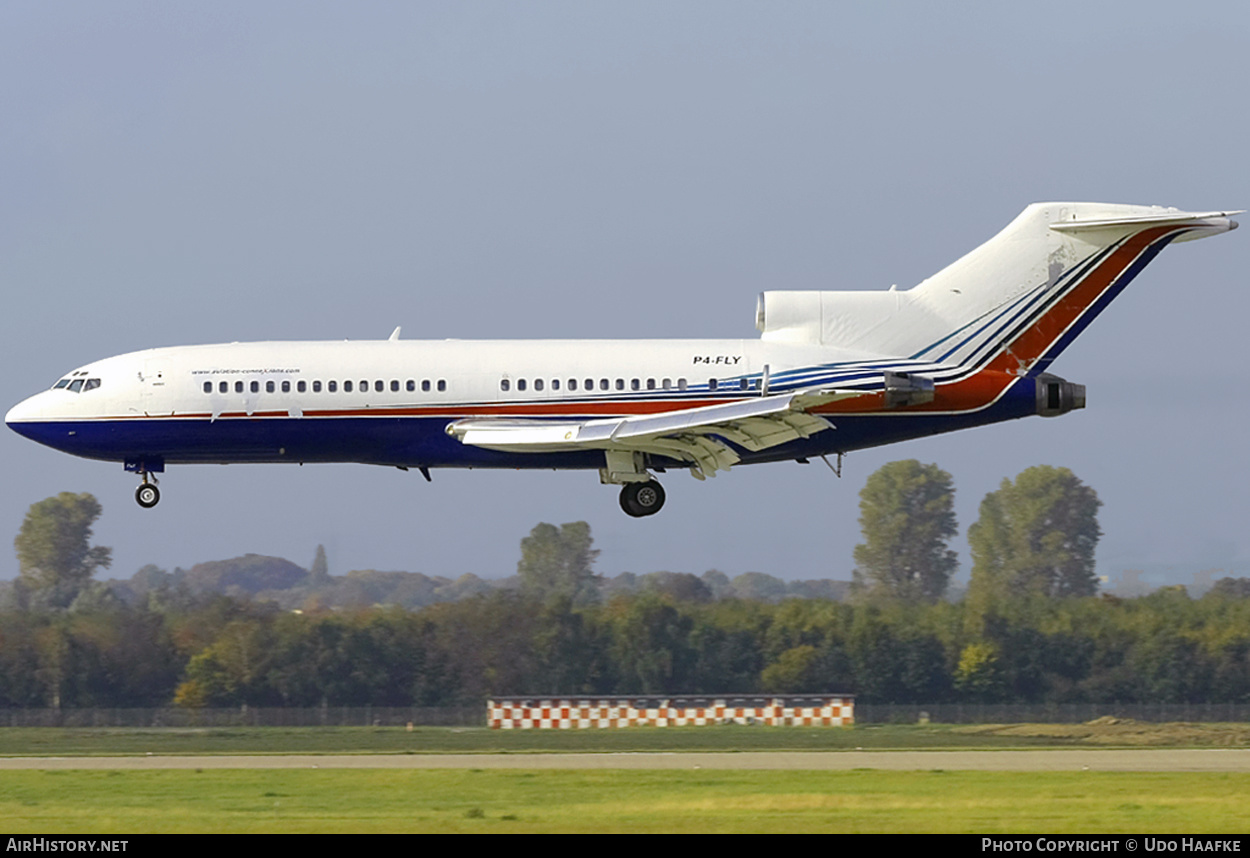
152,380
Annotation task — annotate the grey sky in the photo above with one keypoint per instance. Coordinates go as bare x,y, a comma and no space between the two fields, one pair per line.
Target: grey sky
180,173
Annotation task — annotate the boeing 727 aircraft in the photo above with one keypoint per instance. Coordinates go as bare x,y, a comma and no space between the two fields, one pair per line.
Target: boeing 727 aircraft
831,372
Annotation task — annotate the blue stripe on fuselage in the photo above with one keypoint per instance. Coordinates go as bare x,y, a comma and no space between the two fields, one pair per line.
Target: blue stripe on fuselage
423,441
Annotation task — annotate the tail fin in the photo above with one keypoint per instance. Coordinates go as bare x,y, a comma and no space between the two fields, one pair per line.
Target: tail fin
1023,296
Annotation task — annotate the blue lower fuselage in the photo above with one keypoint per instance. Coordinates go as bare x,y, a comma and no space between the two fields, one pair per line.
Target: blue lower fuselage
422,441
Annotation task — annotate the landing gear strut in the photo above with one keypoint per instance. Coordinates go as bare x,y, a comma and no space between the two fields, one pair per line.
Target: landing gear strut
640,494
148,495
642,499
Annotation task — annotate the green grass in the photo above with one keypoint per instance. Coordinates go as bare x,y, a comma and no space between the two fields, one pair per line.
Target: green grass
337,801
68,741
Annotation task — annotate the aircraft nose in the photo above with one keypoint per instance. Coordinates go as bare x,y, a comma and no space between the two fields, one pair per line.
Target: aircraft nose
25,411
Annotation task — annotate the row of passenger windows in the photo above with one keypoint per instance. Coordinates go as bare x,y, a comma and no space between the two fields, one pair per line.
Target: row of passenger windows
330,386
589,384
426,385
619,384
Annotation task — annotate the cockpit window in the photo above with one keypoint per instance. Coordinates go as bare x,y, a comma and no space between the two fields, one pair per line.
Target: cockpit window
76,382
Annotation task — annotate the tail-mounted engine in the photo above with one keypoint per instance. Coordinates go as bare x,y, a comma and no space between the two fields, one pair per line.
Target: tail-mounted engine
1056,396
903,388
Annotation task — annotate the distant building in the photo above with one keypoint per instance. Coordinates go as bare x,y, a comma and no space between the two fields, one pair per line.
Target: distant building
586,712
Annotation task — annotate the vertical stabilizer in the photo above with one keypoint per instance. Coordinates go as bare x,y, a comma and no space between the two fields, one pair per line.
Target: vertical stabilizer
1025,293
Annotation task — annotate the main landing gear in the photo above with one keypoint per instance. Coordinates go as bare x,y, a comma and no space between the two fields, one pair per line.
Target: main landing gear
641,495
642,499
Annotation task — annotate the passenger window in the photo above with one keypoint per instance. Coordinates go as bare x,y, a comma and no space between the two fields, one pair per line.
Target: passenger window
620,384
520,384
269,387
238,387
555,384
317,386
347,387
742,385
208,387
394,386
301,386
635,384
425,385
711,384
650,384
590,384
410,386
332,386
379,385
572,384
603,384
505,384
681,384
286,385
442,385
255,387
223,387
538,384
364,386
668,384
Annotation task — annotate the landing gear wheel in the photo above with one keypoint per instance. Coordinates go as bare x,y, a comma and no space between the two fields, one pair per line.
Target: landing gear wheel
642,499
147,495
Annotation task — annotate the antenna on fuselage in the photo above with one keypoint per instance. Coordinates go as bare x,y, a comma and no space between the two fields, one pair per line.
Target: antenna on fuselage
394,337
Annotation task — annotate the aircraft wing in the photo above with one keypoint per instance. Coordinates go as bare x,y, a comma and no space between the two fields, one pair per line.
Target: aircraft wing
698,436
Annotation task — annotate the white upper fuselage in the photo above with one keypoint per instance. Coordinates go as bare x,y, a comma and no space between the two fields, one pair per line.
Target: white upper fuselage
309,377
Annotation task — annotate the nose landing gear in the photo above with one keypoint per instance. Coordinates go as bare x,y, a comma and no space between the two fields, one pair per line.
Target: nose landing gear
148,495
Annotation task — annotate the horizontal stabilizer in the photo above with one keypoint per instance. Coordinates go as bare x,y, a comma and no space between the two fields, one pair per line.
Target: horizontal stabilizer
1203,223
1165,217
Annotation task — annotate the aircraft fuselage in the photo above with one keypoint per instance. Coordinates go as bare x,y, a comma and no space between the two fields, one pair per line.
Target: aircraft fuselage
831,372
389,402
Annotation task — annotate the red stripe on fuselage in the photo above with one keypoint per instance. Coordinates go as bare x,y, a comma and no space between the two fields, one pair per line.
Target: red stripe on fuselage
533,409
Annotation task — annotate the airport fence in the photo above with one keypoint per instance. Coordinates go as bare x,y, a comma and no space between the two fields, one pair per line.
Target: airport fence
1053,713
249,716
475,716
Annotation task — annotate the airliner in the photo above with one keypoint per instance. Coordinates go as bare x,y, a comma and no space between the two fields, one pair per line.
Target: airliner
831,372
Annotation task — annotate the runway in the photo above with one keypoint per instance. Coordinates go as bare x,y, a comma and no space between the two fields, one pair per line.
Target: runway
1136,760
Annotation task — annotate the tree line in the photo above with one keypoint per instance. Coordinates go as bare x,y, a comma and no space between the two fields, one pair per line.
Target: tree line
225,651
1031,628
